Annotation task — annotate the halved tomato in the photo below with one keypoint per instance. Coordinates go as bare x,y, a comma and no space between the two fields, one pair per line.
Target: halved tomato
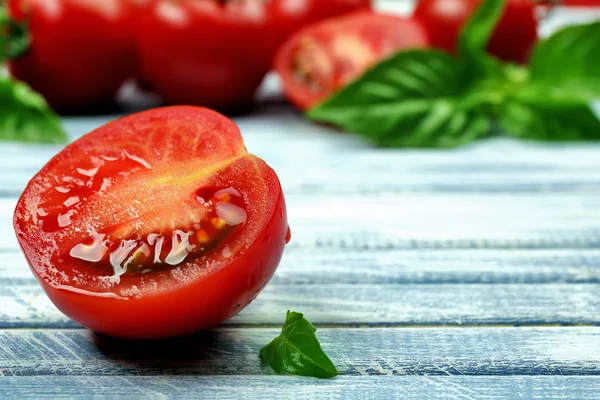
324,57
156,225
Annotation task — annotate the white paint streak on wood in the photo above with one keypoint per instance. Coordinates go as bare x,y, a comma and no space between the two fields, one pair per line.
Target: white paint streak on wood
288,387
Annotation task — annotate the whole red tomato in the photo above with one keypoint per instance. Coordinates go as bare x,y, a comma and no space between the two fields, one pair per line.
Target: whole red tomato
512,40
82,50
156,225
208,53
292,15
322,58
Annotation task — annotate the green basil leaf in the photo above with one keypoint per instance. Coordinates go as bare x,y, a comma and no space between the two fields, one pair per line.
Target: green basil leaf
545,113
476,34
570,59
25,115
414,99
297,350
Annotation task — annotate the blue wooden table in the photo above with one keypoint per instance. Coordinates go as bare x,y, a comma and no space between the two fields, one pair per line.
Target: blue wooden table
471,273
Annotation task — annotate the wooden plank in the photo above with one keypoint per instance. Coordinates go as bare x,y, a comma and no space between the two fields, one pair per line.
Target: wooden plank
26,306
302,266
417,221
375,352
375,171
352,388
337,163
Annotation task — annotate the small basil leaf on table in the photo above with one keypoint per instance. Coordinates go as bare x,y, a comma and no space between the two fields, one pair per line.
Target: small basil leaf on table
417,98
25,116
570,59
297,350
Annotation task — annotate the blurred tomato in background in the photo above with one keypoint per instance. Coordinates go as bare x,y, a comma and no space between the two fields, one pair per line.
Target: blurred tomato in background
82,50
291,15
204,52
512,40
216,54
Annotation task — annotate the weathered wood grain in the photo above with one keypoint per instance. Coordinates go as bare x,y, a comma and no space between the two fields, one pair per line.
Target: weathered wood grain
398,351
25,305
303,266
383,171
284,387
339,163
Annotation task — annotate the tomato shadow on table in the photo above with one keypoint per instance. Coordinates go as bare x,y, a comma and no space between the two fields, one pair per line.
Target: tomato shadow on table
204,353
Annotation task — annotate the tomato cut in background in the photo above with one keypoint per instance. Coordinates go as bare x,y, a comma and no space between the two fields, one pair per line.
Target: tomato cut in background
324,57
156,225
82,51
513,39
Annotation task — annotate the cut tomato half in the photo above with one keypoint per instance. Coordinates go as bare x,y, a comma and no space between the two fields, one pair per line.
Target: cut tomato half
156,225
321,59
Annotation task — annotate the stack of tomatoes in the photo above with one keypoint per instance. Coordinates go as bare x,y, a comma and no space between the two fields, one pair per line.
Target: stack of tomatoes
215,53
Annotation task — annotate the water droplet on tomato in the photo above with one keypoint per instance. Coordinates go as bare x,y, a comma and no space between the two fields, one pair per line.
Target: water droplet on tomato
71,201
118,257
226,252
156,238
105,184
230,191
180,248
41,212
88,172
288,235
138,160
267,239
231,214
64,220
93,252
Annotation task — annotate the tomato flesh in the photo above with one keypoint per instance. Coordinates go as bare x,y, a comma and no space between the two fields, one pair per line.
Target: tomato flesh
159,224
323,58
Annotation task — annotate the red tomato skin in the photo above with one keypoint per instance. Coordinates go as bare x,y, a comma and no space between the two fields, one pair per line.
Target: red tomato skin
513,39
163,306
82,51
374,37
292,15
